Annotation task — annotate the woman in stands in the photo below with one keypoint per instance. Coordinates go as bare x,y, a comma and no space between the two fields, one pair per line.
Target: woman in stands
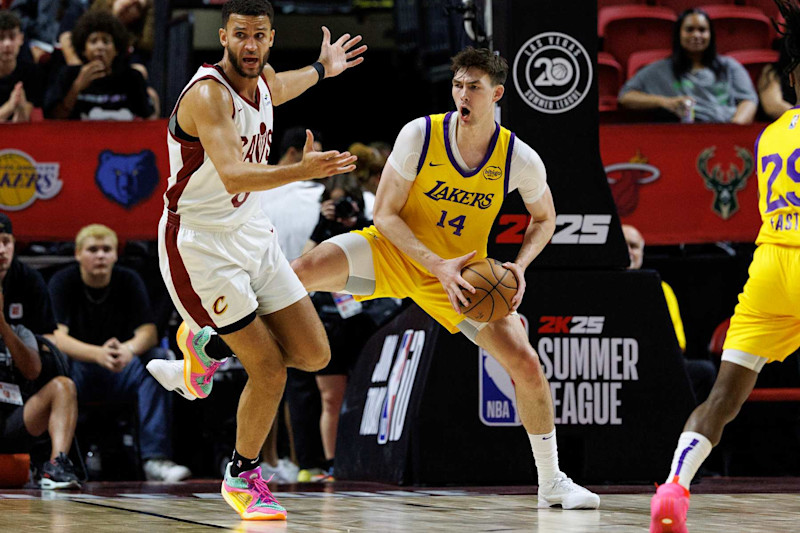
695,83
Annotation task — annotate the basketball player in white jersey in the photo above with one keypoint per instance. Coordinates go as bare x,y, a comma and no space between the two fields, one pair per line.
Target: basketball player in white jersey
218,252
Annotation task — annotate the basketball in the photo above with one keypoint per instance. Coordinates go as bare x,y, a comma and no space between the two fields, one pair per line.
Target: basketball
494,285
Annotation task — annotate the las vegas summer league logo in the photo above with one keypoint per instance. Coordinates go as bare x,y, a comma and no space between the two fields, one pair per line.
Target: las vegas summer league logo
552,72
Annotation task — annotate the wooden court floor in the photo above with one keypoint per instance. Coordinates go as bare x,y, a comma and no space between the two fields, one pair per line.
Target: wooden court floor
757,505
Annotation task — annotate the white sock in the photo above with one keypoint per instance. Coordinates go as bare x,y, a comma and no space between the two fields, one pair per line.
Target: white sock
692,450
545,453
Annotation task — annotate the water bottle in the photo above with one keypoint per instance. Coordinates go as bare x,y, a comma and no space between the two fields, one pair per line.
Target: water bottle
94,466
688,111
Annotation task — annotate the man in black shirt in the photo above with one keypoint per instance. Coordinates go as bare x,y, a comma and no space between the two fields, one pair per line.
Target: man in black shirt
105,326
28,408
20,82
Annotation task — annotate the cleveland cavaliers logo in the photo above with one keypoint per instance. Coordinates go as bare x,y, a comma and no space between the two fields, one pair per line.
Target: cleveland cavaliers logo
552,72
220,306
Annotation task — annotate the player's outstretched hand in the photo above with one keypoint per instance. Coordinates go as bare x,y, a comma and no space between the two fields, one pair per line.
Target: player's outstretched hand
324,164
449,274
519,273
340,56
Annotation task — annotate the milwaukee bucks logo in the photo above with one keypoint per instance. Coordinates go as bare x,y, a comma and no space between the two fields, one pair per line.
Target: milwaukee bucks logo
725,185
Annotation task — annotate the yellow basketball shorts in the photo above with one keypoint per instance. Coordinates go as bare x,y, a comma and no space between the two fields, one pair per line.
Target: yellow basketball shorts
397,276
766,321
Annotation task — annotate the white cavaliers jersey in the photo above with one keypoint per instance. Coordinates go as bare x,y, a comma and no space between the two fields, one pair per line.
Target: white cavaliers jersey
195,191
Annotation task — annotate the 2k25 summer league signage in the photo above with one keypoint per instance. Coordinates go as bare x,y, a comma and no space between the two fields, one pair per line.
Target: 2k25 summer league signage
56,177
551,103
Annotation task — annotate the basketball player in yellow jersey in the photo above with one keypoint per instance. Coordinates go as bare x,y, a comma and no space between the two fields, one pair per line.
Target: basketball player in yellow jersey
766,323
437,200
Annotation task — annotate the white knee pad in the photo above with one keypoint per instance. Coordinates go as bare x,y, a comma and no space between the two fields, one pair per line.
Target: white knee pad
361,275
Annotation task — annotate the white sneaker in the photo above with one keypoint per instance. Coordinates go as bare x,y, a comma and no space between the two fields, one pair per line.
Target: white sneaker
274,473
165,470
568,494
170,375
289,470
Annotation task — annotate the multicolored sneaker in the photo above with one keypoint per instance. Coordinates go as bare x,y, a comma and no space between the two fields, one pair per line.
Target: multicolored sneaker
668,509
59,473
198,368
250,496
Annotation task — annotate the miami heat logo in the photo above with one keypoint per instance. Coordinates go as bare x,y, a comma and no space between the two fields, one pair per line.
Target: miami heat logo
220,306
625,179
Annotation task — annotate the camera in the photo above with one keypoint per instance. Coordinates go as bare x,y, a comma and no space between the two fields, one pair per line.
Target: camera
344,207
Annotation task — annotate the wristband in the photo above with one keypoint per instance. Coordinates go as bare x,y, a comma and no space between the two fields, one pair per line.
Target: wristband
320,68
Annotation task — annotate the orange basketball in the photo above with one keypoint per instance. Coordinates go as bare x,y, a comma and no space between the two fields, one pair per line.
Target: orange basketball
494,285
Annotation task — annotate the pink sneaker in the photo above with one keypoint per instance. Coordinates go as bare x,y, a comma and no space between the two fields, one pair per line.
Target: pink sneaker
249,495
668,509
198,367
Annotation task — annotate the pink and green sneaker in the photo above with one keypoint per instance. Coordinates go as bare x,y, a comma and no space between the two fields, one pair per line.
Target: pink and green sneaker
250,496
198,368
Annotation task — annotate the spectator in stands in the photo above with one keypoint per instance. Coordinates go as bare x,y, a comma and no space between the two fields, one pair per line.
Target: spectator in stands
138,17
702,372
348,323
26,299
775,91
20,82
368,172
105,87
46,405
105,327
46,23
695,83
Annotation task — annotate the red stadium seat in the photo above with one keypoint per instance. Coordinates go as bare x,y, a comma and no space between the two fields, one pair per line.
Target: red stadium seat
680,6
740,28
609,80
627,29
605,3
768,7
754,61
641,59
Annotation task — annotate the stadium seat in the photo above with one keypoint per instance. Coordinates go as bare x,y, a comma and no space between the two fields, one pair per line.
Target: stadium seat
609,80
641,59
768,7
605,3
627,29
783,394
740,27
754,61
679,6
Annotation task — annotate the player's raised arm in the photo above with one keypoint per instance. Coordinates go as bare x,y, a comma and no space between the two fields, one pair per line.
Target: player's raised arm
389,201
537,235
206,112
334,58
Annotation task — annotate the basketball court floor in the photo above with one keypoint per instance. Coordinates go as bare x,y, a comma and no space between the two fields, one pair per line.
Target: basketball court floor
752,505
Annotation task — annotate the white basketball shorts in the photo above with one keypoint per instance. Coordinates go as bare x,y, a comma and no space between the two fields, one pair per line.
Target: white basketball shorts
220,278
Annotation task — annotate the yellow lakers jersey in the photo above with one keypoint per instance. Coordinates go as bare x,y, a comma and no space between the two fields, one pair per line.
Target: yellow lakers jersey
450,210
777,154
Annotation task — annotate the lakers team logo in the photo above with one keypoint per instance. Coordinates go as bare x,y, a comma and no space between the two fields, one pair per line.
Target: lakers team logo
552,72
725,185
220,306
23,180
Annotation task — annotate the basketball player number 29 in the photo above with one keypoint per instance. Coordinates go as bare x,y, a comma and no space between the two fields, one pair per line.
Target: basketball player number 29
791,171
457,222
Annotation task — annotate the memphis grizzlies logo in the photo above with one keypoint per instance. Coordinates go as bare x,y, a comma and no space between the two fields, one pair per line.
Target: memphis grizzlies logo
552,72
497,396
127,179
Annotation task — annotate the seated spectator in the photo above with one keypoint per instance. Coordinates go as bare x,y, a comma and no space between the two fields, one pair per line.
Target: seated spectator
775,91
702,372
45,23
105,87
105,327
694,84
20,82
52,407
138,17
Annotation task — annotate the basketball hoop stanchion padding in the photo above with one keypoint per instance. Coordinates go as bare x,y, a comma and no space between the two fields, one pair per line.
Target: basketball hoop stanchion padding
425,407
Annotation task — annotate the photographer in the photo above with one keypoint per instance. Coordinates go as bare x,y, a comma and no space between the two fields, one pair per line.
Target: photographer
349,323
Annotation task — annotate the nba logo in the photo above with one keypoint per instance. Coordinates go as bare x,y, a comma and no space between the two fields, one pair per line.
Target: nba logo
496,395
